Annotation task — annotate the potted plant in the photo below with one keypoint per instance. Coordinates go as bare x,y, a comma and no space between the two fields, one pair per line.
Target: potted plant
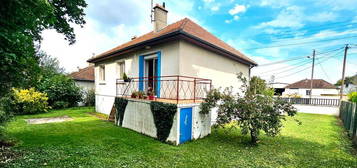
141,94
134,94
151,94
126,78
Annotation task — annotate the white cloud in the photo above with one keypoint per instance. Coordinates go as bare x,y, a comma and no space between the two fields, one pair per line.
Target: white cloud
274,3
103,33
215,8
237,9
338,4
228,21
322,17
289,17
235,17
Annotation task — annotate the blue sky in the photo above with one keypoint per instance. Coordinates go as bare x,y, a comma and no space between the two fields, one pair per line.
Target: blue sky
253,27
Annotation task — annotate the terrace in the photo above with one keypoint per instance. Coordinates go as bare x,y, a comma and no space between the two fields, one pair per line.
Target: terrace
170,89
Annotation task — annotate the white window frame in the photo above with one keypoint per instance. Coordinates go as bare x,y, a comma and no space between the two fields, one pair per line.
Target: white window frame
120,69
102,73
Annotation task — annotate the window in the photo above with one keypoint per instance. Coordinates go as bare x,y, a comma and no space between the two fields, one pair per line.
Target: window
308,92
102,73
121,69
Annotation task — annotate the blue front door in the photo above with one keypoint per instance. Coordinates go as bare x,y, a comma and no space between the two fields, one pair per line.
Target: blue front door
185,124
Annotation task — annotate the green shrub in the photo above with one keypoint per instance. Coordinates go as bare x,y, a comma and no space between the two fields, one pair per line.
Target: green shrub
25,101
120,105
4,117
352,97
89,98
164,114
61,90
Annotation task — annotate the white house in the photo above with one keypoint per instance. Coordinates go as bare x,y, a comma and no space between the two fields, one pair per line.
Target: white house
320,89
84,78
179,62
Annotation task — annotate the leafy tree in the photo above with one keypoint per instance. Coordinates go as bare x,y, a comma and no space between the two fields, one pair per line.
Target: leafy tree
253,110
49,65
21,24
61,90
348,80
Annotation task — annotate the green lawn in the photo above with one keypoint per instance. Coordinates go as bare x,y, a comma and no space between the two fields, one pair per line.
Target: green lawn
90,142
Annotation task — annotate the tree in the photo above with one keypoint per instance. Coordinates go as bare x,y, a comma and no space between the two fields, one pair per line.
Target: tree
253,110
348,80
21,24
49,65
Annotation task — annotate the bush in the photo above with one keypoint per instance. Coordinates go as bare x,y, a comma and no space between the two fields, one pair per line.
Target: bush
25,101
89,98
352,97
4,117
61,90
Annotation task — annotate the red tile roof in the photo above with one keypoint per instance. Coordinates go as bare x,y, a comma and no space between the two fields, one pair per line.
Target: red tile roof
316,84
85,74
184,26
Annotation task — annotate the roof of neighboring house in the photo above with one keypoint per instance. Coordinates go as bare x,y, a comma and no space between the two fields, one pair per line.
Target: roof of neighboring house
85,74
185,29
316,84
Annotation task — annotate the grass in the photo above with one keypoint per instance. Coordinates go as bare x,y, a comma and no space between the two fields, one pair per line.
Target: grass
91,142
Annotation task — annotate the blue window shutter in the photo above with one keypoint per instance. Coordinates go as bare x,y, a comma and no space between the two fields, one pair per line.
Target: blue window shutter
141,72
158,74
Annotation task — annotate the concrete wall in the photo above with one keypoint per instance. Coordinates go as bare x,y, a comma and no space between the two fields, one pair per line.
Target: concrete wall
329,110
138,117
198,62
316,93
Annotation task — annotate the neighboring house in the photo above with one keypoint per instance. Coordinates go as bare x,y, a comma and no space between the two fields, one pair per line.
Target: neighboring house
84,78
278,87
180,62
349,88
320,89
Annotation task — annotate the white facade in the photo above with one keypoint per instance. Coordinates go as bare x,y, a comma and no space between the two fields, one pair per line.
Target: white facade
85,85
316,93
177,58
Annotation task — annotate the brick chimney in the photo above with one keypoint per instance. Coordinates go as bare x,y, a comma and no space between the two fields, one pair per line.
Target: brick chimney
160,17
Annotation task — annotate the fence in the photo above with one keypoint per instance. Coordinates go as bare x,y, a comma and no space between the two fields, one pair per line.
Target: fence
166,87
313,101
348,115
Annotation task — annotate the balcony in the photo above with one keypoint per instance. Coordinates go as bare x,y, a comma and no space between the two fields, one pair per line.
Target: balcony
170,89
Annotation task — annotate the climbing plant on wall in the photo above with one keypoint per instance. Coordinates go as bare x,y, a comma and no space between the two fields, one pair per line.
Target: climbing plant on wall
163,117
120,105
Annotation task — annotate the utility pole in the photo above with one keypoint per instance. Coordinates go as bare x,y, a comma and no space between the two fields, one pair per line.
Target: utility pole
343,72
312,71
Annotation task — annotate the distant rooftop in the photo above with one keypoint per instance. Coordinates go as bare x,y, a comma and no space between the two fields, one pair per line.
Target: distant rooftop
316,84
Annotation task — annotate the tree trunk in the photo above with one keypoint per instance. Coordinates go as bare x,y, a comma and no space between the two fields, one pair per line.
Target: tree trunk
253,136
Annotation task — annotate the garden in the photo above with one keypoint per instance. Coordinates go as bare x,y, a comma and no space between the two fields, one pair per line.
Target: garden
89,141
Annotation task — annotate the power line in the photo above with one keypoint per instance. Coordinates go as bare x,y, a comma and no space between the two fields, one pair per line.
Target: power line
323,70
308,67
297,58
288,66
284,45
